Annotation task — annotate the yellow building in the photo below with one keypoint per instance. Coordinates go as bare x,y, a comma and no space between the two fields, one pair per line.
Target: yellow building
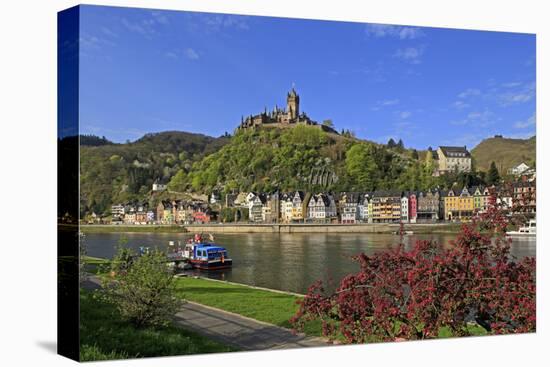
458,205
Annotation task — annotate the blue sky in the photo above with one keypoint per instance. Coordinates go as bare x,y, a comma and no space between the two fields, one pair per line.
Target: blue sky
146,71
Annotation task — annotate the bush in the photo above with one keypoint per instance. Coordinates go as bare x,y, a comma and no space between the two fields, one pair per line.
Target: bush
142,288
419,293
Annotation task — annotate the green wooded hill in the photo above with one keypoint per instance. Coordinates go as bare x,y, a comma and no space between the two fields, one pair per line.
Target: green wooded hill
115,173
264,159
505,152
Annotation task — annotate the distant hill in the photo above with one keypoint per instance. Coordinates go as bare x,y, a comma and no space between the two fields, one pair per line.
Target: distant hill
93,140
505,152
125,172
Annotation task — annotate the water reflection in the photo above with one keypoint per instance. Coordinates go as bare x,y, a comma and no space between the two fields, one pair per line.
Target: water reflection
289,262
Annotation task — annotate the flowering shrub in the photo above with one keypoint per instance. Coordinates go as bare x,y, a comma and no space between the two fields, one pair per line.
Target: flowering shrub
416,294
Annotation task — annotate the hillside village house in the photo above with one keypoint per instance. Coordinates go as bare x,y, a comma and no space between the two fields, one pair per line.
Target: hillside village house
519,169
451,159
159,185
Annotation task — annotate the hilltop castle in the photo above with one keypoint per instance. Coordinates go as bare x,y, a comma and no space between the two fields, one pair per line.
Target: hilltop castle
282,117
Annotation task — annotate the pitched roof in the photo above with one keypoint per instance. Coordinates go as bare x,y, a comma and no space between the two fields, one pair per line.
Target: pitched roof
455,151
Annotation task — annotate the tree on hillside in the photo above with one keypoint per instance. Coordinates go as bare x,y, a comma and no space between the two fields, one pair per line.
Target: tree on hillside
328,122
361,166
400,144
493,177
391,143
414,154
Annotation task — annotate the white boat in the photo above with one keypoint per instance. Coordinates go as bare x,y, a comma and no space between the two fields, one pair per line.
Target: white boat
530,230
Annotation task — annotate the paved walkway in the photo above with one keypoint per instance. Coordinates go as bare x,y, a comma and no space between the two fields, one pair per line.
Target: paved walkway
233,329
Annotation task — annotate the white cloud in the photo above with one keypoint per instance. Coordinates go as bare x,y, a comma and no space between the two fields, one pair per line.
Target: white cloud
460,105
511,84
384,103
191,54
469,93
477,118
387,30
526,123
410,54
523,94
405,114
389,102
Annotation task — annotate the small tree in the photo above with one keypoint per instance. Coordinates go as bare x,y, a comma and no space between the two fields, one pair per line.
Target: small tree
493,177
328,122
142,288
391,143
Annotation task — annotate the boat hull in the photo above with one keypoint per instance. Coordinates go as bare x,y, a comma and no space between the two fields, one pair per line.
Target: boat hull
211,264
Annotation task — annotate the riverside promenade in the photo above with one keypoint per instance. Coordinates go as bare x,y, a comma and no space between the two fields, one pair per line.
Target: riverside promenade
416,228
232,329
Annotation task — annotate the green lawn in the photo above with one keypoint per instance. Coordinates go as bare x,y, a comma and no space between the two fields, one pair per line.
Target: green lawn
272,307
103,335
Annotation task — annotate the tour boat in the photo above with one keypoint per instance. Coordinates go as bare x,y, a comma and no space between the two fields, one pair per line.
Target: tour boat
530,230
207,256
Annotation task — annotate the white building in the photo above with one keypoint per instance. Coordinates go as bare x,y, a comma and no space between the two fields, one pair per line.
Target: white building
404,208
519,169
158,186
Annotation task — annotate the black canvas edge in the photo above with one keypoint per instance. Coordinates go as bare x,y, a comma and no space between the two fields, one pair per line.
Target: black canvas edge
68,310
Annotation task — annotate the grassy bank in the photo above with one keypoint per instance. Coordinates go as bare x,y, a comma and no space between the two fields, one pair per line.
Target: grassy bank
271,307
126,229
103,335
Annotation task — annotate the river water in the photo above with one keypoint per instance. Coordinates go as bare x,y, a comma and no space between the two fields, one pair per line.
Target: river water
288,262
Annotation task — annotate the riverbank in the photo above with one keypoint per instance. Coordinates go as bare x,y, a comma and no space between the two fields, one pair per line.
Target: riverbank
416,228
104,336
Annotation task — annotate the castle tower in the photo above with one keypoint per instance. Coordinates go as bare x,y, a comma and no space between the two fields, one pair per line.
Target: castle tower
293,104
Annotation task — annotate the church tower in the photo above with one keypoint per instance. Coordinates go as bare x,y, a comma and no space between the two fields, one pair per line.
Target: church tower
293,104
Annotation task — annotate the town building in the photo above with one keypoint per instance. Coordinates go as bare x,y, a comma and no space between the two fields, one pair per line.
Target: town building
286,204
365,207
405,207
349,204
413,207
298,206
321,208
117,212
458,205
524,196
519,169
428,206
159,185
453,159
386,207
